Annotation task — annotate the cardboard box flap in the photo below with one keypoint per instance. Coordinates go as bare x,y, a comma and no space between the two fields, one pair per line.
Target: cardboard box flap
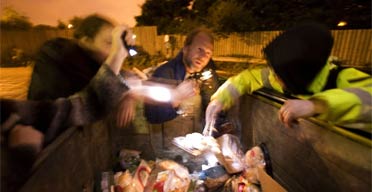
268,184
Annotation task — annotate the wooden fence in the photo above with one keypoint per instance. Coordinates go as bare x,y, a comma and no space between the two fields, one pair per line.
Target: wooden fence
28,41
354,47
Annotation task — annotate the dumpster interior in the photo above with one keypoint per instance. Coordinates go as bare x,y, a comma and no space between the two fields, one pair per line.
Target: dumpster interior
313,156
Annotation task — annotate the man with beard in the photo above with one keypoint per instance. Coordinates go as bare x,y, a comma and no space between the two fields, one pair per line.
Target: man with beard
185,114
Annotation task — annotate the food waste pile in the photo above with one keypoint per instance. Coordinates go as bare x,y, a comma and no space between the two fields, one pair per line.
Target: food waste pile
212,164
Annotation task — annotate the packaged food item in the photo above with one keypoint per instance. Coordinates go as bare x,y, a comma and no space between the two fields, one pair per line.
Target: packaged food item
240,184
167,164
160,180
130,188
195,143
168,176
230,155
256,157
141,176
157,177
247,187
177,181
117,188
123,179
251,174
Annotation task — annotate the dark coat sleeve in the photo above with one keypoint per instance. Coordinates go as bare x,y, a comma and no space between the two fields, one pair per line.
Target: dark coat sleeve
61,69
52,117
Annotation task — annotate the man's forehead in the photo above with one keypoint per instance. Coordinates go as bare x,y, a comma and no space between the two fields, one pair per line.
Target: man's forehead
203,39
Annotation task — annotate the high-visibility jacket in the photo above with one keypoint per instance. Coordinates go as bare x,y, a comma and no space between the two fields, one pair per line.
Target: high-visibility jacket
349,102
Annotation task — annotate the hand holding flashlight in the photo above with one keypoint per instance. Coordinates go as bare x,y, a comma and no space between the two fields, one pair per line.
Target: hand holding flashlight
117,52
130,48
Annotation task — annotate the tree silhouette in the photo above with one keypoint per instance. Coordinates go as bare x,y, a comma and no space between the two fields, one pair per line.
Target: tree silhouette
11,19
168,15
75,21
61,25
252,15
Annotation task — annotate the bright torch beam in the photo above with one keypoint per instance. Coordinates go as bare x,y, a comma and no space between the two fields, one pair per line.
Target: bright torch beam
158,93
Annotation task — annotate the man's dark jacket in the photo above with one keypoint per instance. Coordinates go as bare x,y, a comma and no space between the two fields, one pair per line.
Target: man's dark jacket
174,72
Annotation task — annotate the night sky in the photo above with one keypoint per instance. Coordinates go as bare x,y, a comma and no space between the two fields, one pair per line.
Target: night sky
50,11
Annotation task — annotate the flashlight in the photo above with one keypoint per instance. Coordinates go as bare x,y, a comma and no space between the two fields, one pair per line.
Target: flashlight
131,49
206,75
202,76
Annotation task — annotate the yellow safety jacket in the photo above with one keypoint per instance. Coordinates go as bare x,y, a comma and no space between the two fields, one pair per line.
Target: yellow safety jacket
349,104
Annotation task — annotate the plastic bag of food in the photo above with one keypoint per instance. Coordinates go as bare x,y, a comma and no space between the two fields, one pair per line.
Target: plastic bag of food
215,177
240,184
123,179
177,181
194,143
230,154
256,157
141,176
168,176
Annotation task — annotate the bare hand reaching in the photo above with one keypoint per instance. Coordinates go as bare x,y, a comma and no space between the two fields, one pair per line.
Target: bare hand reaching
214,107
294,109
127,111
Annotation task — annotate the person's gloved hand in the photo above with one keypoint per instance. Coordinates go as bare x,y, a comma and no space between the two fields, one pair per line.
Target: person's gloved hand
294,109
211,114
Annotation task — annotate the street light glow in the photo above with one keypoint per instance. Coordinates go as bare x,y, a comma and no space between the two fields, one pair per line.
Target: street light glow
341,24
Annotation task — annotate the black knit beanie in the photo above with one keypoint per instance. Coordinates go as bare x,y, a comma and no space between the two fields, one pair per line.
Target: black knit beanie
298,54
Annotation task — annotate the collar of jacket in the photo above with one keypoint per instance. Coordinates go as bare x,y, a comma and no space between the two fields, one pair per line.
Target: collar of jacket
320,80
299,54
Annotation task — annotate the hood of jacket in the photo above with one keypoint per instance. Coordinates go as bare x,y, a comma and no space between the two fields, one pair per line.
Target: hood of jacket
298,55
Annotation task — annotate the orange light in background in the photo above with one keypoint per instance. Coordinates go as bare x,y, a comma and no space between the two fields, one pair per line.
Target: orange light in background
341,24
70,26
